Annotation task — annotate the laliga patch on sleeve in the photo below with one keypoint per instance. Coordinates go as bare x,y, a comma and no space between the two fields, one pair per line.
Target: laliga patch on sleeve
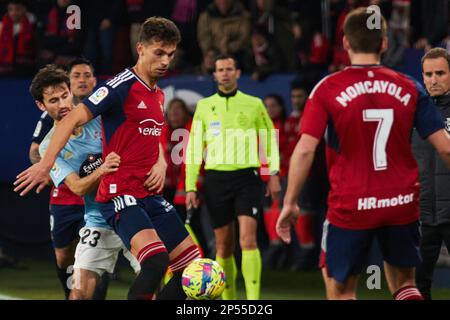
38,129
99,95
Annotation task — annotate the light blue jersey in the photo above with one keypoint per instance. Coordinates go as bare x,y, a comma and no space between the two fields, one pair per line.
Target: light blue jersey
81,155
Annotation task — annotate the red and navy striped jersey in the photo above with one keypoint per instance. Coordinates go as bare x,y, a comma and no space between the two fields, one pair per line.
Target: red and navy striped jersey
367,114
132,120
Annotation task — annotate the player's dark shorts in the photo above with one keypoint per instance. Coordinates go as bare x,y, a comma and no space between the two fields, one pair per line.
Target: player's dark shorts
232,193
128,216
345,252
65,223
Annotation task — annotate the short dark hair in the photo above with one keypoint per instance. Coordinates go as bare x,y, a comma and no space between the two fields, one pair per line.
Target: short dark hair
159,29
225,57
78,61
436,53
49,76
361,38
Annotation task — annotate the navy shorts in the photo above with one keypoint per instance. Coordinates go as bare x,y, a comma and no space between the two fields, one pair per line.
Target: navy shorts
65,223
128,216
346,251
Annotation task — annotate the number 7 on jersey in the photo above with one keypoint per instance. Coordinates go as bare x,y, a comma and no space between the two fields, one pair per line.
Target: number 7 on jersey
385,118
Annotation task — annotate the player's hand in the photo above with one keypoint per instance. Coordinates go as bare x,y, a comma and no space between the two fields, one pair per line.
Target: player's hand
288,216
35,176
156,177
192,200
273,187
111,164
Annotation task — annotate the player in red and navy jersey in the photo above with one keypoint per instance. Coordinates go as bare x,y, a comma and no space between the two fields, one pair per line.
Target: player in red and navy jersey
131,107
367,112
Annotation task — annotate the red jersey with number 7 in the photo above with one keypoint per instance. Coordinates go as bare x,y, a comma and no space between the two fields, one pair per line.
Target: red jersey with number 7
367,114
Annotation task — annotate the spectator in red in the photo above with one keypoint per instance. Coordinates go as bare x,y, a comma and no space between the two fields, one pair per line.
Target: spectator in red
60,45
17,40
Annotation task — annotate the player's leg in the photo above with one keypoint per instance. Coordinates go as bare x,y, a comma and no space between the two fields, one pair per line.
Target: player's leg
180,245
400,248
346,253
95,257
133,225
65,222
430,247
64,262
84,284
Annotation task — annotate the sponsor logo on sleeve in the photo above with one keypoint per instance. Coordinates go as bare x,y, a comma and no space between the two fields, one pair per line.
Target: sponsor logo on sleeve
99,95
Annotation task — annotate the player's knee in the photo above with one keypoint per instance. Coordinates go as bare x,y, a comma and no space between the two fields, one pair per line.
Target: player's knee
184,258
64,258
157,263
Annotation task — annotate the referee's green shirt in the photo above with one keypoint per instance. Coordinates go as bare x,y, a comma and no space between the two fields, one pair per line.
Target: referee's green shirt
230,131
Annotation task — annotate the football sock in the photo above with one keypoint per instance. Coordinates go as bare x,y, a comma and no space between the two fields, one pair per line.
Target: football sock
230,269
102,287
63,276
251,271
304,228
154,261
270,221
173,289
408,293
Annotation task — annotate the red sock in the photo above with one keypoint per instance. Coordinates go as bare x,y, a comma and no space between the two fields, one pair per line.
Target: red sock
408,293
184,258
270,221
304,230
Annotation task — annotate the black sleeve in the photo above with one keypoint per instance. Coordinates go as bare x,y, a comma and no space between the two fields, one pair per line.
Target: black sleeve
43,126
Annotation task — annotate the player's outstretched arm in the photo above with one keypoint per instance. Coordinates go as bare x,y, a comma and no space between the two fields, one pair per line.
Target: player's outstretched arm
37,174
82,186
300,164
441,142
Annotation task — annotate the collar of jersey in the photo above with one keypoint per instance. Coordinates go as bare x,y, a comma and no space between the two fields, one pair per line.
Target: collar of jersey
142,81
227,95
377,65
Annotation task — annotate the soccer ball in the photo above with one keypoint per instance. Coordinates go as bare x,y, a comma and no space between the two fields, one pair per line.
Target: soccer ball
203,279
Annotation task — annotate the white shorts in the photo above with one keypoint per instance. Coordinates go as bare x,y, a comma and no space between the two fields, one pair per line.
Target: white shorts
98,250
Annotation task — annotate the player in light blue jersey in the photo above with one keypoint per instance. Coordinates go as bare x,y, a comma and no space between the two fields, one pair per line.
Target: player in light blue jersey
80,167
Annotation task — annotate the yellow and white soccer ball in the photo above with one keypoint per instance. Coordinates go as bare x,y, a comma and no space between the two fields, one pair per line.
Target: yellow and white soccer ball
203,279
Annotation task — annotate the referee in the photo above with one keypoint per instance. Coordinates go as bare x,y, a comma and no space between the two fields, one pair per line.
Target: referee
233,128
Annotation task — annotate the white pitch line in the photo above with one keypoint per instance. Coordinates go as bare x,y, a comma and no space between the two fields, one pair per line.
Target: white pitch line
5,297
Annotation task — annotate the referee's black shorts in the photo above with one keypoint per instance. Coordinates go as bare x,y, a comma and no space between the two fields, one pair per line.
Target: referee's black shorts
229,194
